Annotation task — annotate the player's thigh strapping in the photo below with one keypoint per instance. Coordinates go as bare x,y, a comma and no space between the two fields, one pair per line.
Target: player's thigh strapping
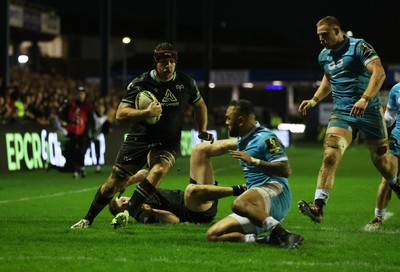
277,199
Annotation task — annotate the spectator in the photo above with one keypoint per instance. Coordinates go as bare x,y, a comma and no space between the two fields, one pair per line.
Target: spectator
75,115
101,125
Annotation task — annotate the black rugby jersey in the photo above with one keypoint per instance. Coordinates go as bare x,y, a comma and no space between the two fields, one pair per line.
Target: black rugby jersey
173,201
174,96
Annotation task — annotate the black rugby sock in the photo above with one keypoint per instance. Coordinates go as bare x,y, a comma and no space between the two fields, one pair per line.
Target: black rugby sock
98,204
142,192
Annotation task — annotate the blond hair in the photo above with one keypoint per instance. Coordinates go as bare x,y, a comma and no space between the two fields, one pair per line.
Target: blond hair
329,21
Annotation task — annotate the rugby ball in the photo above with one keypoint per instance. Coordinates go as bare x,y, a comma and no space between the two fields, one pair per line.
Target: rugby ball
142,101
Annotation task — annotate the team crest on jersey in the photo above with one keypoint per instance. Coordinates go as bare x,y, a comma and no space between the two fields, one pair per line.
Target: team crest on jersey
367,50
169,99
180,87
273,145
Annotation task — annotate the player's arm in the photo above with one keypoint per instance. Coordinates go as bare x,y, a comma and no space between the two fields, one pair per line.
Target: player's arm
279,169
162,216
378,76
391,111
126,112
274,168
377,79
200,111
323,91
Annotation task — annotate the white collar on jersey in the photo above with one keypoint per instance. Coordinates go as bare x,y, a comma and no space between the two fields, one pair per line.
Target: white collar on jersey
251,131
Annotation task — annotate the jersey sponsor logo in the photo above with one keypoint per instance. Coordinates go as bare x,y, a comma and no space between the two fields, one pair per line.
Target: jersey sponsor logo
273,145
335,65
169,99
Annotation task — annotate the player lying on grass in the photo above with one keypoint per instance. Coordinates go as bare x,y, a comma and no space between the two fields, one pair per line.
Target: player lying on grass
197,204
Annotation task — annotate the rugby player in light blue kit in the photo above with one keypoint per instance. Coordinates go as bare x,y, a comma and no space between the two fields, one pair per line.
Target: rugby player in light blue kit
266,168
354,74
384,193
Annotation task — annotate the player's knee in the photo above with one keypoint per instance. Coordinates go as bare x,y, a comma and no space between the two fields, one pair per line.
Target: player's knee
335,142
199,151
212,235
193,190
378,151
239,207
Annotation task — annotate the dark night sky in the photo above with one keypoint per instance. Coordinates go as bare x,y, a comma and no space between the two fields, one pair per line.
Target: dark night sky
287,25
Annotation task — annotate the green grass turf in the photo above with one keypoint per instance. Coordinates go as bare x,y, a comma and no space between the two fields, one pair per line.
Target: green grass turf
38,208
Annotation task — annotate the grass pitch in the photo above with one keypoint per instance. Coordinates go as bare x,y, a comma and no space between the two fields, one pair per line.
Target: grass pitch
38,208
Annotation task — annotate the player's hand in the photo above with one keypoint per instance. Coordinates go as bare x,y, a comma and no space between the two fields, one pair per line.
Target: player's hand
121,192
241,155
146,208
359,108
204,135
306,104
154,109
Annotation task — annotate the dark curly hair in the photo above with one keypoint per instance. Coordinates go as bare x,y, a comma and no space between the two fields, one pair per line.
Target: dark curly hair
114,208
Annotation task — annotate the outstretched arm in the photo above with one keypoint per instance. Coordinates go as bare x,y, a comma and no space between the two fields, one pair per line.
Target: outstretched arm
323,91
162,216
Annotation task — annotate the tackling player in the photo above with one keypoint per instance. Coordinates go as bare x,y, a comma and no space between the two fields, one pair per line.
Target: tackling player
267,200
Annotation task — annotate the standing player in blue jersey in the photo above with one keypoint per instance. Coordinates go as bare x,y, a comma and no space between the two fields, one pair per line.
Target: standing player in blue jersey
158,143
384,192
353,73
266,168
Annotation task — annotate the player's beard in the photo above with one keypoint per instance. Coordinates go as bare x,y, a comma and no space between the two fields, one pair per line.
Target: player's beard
165,74
234,129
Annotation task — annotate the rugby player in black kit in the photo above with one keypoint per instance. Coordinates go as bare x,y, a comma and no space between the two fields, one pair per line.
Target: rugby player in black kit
157,144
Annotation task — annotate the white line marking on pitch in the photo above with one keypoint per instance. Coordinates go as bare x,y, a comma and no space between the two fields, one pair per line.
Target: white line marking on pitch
47,196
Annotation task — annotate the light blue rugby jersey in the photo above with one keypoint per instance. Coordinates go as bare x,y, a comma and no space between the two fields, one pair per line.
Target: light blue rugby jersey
261,143
393,105
347,72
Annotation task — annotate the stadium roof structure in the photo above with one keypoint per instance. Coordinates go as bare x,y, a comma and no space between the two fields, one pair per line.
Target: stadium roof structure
285,31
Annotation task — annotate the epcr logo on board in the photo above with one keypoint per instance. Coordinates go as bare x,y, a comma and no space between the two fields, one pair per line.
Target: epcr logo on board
35,151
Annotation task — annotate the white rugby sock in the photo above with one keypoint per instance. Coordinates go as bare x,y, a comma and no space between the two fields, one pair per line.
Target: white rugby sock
380,213
249,238
322,194
269,223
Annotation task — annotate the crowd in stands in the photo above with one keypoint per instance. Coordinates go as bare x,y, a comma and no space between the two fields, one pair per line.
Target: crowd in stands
37,97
